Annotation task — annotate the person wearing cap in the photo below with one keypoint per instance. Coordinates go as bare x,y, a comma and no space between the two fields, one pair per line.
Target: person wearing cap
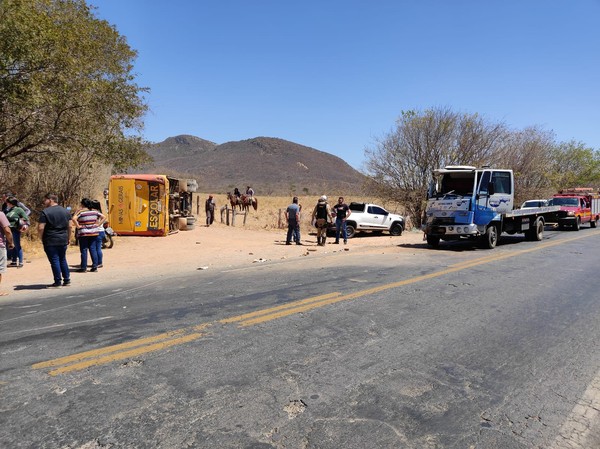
292,215
209,208
321,217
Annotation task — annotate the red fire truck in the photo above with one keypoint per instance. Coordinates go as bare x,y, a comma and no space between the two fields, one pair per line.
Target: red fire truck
577,206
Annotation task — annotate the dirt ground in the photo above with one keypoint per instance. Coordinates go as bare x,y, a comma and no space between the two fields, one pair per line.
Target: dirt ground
217,247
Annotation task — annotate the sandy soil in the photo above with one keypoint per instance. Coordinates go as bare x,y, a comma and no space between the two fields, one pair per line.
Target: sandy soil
216,247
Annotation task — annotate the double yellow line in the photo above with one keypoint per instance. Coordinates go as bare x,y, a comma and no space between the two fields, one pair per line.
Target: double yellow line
83,360
102,356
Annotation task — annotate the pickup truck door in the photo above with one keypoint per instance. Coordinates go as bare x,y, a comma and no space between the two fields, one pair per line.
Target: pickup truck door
376,217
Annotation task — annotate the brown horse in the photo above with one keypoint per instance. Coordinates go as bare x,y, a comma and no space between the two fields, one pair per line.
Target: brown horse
234,200
248,201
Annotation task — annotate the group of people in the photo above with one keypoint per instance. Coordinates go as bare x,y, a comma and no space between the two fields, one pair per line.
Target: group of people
55,230
249,192
322,216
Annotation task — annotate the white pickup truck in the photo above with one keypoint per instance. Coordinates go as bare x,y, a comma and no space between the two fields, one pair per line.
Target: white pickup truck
371,217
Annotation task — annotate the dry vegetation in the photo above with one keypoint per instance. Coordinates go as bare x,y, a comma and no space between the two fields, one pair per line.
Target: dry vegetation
270,215
271,209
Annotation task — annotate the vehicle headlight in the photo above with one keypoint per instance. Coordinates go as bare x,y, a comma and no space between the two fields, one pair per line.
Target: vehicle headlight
450,228
458,230
466,229
571,213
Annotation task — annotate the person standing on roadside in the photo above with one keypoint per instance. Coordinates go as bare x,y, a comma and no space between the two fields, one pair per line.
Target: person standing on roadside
6,242
320,217
292,215
342,212
97,242
87,220
19,222
54,229
209,208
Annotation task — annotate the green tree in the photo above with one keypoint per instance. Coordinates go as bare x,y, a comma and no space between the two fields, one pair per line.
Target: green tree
66,85
575,165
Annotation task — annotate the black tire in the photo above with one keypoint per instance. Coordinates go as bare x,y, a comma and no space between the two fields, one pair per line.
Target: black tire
433,241
107,241
396,229
350,230
593,224
490,239
536,234
577,224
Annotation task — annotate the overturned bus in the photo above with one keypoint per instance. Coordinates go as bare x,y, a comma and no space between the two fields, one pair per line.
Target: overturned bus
153,205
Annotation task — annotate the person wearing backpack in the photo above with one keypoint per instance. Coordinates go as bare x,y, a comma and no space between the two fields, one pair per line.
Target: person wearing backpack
321,217
19,222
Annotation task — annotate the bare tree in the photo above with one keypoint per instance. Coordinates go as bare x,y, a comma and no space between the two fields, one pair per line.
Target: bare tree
529,154
400,164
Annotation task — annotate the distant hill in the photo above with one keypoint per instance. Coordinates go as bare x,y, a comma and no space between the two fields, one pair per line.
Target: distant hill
270,165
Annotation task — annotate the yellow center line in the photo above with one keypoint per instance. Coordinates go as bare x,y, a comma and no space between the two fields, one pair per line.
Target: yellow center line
294,304
125,354
80,361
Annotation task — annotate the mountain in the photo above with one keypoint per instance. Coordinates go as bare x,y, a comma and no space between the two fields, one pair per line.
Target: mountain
270,165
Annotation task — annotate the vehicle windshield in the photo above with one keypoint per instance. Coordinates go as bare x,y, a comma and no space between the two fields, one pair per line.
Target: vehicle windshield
574,202
454,184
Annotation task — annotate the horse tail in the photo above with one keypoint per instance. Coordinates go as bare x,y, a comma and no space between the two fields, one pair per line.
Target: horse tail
255,204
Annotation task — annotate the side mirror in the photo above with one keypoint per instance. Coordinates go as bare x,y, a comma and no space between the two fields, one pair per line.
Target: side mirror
491,189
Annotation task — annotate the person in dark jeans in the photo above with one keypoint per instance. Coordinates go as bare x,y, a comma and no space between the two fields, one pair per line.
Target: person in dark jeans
54,229
342,212
292,215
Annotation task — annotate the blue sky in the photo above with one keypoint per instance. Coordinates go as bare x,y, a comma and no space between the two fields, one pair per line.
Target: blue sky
335,75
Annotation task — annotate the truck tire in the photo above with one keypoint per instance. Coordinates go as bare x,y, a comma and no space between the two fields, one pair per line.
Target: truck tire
593,224
577,224
396,229
350,230
433,241
536,233
490,239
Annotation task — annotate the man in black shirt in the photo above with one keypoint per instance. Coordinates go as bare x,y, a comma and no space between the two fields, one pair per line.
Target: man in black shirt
54,230
342,212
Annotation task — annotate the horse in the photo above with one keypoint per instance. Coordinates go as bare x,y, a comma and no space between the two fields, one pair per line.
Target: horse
248,201
234,200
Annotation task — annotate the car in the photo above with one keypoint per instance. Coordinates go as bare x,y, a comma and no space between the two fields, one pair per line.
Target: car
370,217
529,204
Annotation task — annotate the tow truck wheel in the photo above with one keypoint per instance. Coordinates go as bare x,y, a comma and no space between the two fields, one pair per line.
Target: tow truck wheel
577,224
433,241
490,239
537,232
592,224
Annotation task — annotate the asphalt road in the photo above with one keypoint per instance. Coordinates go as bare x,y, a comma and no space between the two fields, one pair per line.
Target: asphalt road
450,348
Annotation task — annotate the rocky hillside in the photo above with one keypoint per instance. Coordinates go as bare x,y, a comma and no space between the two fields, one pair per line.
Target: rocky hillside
269,165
